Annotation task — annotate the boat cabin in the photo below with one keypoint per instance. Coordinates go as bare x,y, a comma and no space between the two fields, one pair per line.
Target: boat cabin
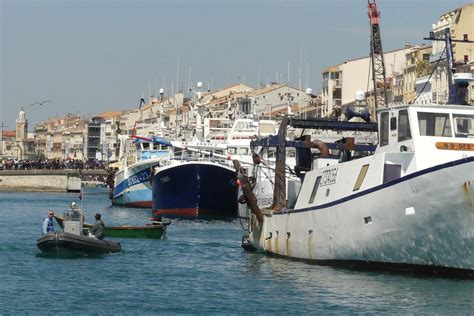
150,150
73,221
437,132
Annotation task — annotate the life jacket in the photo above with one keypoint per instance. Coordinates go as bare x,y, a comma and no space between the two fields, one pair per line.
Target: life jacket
50,227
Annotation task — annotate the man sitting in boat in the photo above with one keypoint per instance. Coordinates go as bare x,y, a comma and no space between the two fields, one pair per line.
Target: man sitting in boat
48,225
98,229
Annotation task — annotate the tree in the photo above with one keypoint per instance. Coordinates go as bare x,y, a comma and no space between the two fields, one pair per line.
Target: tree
423,68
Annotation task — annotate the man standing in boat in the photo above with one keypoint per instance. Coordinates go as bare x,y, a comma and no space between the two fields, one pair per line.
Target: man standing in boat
98,229
48,225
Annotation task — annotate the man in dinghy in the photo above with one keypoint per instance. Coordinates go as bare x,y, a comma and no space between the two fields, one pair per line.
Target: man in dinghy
48,225
98,229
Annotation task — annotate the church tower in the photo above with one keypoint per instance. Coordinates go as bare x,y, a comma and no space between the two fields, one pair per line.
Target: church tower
21,127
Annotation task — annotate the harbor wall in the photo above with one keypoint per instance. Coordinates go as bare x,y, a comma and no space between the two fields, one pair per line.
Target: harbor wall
40,180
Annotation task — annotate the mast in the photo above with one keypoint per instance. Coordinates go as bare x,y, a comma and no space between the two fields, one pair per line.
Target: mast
448,42
376,56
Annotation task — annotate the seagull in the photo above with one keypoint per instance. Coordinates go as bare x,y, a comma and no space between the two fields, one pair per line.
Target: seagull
40,103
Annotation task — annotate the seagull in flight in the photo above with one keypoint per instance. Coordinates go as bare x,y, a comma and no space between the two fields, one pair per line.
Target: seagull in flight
40,103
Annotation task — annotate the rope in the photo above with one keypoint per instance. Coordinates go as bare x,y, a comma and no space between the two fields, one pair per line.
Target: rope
432,72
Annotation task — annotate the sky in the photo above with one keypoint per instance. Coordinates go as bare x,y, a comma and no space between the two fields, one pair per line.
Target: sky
92,56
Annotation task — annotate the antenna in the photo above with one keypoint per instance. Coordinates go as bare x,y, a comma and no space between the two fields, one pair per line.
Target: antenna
177,74
189,78
288,79
258,76
299,70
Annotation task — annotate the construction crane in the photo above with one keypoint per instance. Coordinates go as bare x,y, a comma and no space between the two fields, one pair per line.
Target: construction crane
376,56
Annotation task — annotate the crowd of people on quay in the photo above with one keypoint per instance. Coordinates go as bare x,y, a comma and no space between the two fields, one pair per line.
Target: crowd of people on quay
52,164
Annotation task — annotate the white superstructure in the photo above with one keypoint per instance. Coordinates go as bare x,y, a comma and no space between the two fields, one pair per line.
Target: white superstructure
409,205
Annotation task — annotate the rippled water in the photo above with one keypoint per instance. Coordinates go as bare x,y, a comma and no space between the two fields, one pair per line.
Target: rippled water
199,268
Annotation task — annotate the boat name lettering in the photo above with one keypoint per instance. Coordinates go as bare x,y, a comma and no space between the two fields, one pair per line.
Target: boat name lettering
454,146
328,177
165,179
265,202
199,144
139,177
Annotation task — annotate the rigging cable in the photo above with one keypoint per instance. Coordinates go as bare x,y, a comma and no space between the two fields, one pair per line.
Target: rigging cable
432,72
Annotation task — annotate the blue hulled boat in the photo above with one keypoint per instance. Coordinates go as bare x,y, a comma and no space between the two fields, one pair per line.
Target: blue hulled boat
195,190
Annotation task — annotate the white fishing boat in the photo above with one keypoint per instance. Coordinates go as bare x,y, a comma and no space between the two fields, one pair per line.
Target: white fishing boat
409,205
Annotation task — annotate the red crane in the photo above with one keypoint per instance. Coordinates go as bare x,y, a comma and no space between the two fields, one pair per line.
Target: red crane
381,96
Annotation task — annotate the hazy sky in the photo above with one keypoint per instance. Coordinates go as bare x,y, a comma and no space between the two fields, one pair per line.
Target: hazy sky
91,56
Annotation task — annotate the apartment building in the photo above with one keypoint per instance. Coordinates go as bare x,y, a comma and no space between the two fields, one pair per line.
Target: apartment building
460,21
417,70
273,99
342,81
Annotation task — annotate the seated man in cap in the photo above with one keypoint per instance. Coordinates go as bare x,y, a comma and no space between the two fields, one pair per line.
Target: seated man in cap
98,229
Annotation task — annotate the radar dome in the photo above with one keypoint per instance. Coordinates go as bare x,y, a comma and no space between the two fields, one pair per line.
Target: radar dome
360,95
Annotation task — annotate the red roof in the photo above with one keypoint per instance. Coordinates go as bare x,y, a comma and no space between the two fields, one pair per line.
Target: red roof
8,134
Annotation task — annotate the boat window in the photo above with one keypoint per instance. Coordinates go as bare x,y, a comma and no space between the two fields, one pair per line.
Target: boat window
267,128
393,123
404,132
232,150
384,129
463,125
244,126
290,152
434,124
361,177
391,172
145,146
315,190
243,151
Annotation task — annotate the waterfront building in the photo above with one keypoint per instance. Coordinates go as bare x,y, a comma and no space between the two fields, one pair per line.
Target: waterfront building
276,98
9,144
21,134
228,91
109,143
460,21
24,146
417,66
40,136
92,139
342,81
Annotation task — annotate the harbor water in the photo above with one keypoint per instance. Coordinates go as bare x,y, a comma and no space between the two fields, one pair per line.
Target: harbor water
199,268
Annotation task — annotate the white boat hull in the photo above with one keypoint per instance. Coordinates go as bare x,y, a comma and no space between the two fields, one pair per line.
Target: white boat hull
425,219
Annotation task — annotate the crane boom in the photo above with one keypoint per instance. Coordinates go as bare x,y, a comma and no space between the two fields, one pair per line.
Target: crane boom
376,56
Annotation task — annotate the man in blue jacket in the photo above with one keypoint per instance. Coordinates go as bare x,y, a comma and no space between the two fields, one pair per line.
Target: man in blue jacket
48,223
